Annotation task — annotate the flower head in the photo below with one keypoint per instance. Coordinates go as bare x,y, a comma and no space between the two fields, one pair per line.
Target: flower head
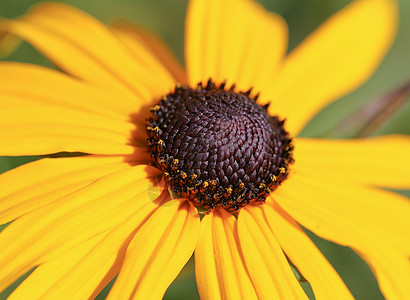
163,144
218,147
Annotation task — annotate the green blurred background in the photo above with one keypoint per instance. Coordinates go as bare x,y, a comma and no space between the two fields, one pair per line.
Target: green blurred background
166,17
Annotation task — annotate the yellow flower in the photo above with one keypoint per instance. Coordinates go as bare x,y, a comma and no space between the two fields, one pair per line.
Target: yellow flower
82,220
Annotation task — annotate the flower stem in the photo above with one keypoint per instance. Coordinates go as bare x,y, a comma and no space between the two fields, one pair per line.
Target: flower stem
374,113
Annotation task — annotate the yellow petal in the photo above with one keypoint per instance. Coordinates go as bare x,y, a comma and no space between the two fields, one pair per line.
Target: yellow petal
364,206
61,32
325,282
381,161
43,86
219,265
8,44
158,252
52,114
51,129
233,40
55,279
57,227
334,60
35,184
137,39
373,223
46,275
268,267
8,101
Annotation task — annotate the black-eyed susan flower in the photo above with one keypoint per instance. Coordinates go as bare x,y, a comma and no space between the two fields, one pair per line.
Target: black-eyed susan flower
221,138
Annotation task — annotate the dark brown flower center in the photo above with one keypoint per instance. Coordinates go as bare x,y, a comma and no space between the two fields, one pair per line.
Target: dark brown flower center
218,147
